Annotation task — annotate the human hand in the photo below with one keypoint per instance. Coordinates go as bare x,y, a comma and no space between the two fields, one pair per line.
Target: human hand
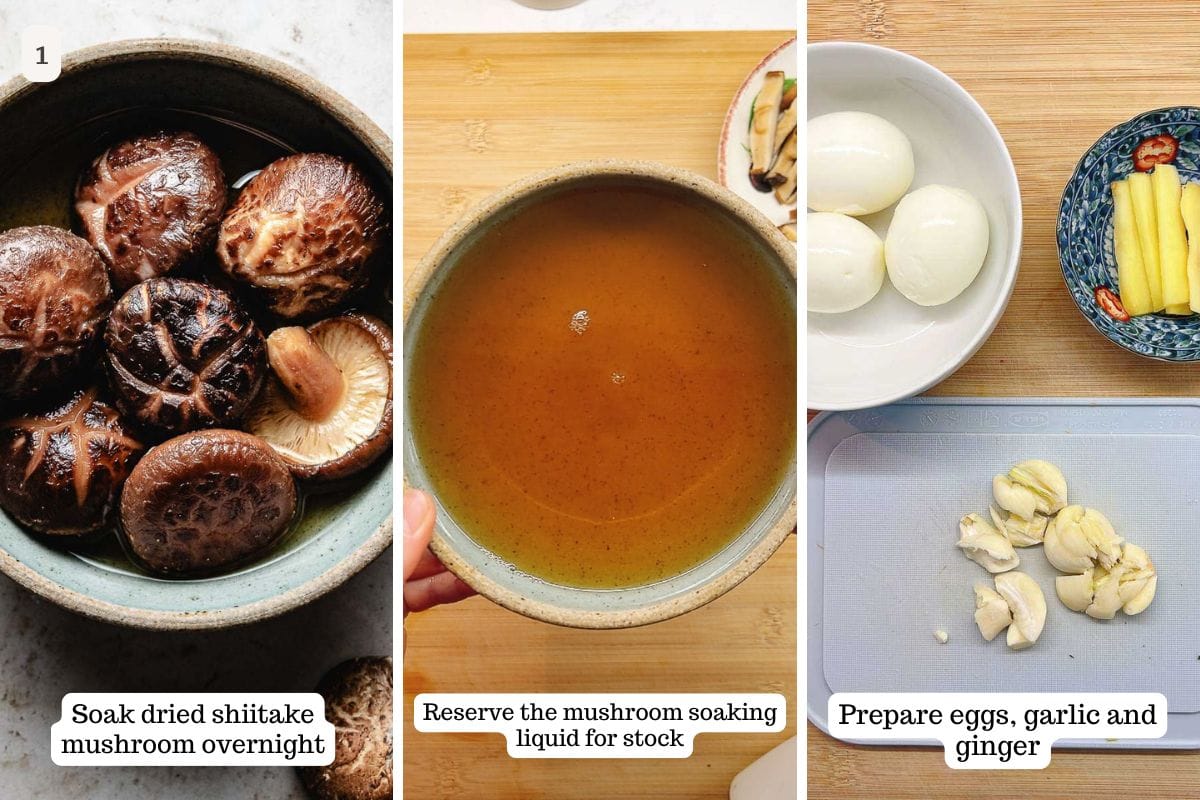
427,582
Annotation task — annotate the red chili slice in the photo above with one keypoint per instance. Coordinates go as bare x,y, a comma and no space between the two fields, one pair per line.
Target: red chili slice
1107,299
1159,149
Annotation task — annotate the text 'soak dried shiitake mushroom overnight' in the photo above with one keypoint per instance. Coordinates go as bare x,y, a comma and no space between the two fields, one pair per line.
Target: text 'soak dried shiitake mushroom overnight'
603,389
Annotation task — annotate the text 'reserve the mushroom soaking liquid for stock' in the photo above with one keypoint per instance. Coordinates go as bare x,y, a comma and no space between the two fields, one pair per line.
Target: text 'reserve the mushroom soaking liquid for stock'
603,388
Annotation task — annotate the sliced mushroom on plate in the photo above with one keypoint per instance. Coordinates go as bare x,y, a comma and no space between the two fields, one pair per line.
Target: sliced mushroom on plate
763,123
62,469
328,410
784,131
358,703
302,234
206,500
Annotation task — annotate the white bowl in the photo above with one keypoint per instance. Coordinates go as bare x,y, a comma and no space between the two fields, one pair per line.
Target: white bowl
891,348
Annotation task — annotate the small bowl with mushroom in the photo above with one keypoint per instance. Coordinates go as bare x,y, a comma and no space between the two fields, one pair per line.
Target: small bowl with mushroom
195,392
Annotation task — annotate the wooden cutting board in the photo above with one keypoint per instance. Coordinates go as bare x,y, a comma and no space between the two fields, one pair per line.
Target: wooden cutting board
480,112
1053,77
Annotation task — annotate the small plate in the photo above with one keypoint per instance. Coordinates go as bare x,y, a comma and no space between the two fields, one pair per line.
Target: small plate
733,155
1085,232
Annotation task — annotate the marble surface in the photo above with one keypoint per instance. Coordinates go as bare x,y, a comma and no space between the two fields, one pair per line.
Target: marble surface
518,16
45,651
345,44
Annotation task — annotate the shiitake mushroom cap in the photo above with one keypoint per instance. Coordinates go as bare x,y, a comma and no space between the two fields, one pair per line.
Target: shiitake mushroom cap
182,355
54,295
205,501
61,470
358,702
302,234
151,203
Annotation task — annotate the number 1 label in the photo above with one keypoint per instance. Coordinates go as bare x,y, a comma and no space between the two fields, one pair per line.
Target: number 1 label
41,53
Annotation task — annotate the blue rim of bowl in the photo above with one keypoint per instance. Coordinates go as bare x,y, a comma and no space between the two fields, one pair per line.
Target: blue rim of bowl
376,541
1013,263
1085,251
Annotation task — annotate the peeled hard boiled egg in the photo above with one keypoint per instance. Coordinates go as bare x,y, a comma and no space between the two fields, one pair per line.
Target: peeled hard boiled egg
845,263
936,244
858,163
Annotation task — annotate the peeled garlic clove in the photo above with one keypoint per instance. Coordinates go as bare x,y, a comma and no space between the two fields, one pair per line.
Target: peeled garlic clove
1075,591
991,612
1016,640
1066,546
1143,599
1107,599
985,545
1013,497
1047,483
1103,539
1021,532
997,518
1027,604
1139,580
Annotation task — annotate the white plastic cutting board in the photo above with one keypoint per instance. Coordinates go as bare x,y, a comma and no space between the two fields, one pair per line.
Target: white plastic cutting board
886,490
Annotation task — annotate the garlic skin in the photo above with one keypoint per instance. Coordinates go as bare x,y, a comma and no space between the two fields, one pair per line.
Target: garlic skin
981,542
1031,487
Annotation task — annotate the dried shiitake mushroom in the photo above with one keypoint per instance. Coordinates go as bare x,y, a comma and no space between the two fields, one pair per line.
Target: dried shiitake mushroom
206,500
328,410
182,356
61,470
358,702
302,234
151,203
54,294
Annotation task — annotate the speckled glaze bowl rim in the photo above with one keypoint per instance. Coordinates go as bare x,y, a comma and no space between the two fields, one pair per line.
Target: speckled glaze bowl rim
1108,140
495,206
367,133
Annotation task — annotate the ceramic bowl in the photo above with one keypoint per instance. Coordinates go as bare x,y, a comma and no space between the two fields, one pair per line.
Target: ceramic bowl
891,348
340,534
1085,232
519,591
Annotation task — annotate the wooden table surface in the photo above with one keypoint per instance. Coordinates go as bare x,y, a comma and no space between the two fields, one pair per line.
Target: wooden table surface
480,112
1053,77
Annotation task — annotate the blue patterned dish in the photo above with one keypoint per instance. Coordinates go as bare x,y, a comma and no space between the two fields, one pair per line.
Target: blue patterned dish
1085,232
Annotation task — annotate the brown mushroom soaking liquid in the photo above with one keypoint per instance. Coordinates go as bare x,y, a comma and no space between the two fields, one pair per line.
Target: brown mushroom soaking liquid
603,391
39,191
